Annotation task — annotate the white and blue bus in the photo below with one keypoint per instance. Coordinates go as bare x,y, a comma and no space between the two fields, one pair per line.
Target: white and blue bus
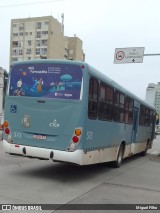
67,111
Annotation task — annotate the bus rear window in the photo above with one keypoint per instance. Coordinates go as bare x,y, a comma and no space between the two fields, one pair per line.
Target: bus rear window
46,80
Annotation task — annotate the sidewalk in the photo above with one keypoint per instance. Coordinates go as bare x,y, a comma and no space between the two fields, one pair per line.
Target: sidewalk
156,147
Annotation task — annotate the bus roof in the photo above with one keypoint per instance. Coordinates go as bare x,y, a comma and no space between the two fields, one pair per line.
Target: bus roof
61,61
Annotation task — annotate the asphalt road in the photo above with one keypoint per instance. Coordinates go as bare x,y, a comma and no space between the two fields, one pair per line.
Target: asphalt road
31,181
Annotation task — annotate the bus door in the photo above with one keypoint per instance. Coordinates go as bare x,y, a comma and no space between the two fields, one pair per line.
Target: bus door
135,125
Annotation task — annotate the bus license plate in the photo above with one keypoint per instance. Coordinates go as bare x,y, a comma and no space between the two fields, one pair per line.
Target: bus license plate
40,137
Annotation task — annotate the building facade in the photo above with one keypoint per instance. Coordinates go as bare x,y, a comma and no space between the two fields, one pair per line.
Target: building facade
73,48
41,37
153,95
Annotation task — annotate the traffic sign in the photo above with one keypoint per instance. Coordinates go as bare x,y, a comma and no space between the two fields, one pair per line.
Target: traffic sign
129,55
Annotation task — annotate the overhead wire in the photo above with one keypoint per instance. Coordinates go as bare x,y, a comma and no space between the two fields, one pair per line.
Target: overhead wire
31,3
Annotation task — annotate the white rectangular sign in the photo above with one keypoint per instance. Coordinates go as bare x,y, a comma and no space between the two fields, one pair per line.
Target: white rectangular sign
129,55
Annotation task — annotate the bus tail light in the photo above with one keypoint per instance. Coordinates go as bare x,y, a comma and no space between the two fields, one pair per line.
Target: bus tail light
5,124
78,132
7,131
75,140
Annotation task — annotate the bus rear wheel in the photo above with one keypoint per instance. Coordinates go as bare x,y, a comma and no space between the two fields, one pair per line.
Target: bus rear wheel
118,162
146,149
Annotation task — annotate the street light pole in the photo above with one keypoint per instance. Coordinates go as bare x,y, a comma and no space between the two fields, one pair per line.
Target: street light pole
153,54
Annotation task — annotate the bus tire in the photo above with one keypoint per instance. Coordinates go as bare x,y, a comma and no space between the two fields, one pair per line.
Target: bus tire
118,162
146,149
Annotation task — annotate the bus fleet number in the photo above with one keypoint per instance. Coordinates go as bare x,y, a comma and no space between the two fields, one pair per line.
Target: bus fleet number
89,135
17,135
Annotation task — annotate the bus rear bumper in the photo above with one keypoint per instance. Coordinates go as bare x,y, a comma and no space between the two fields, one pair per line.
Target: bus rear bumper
41,153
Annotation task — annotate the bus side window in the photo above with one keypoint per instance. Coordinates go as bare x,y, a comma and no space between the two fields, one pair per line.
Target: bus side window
128,118
121,105
109,101
116,114
93,98
142,116
102,104
118,107
105,111
145,117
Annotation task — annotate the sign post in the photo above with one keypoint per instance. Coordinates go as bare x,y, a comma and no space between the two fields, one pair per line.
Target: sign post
129,55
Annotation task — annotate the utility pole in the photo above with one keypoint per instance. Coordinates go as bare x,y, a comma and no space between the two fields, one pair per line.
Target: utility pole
1,93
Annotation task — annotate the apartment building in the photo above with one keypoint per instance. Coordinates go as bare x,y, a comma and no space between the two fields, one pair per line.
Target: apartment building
42,37
153,95
73,48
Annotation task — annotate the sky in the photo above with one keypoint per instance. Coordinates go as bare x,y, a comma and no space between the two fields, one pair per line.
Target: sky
102,25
